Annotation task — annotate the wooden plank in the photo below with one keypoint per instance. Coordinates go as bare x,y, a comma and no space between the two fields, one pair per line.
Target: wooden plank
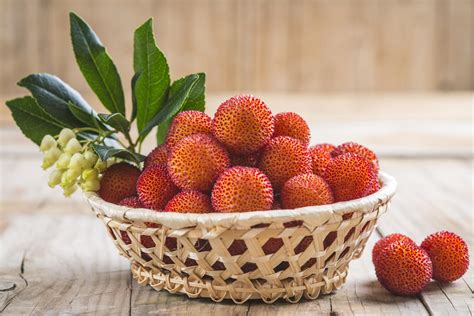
280,45
455,44
407,66
343,61
435,195
69,266
20,47
145,300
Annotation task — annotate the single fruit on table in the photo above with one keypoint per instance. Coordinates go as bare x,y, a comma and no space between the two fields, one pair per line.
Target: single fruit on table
242,189
189,202
351,147
305,190
196,161
404,268
350,177
384,242
326,147
282,159
155,188
132,202
159,155
244,124
449,254
292,125
319,159
244,160
118,182
188,123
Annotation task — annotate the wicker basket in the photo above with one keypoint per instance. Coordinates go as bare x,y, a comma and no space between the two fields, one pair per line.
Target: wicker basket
240,256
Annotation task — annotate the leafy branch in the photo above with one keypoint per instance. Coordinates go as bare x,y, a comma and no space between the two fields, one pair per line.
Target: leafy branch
54,105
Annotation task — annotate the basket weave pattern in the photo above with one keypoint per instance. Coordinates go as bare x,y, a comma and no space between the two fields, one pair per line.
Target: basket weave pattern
286,254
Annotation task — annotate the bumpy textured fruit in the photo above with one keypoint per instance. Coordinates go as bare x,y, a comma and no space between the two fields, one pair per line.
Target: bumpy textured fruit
118,182
244,124
155,188
449,254
350,177
386,241
351,147
189,202
305,190
319,159
293,125
196,161
404,268
283,158
326,147
188,123
241,189
159,155
131,201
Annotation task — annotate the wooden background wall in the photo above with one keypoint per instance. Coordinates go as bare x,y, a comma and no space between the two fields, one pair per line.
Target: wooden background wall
257,45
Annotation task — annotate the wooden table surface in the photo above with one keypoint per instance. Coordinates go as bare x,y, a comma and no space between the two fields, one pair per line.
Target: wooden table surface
55,256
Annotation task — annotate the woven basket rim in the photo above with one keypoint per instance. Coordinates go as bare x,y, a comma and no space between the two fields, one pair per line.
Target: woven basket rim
182,220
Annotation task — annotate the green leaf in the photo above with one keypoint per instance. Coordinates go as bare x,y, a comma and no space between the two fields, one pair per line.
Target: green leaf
53,95
32,120
90,119
106,152
151,88
117,121
96,65
162,131
134,97
196,100
173,105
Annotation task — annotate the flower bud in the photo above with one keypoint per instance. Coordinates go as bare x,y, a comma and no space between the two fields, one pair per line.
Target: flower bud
91,185
54,178
73,146
91,157
65,136
50,157
100,165
47,143
63,161
77,162
72,174
90,174
70,190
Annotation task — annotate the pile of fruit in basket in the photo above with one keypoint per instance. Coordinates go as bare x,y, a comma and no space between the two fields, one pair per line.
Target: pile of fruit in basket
243,159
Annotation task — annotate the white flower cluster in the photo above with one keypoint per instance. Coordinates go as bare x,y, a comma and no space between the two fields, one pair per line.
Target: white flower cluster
76,165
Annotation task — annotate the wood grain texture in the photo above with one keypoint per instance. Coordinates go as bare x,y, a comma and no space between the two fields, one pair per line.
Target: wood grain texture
64,272
257,45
